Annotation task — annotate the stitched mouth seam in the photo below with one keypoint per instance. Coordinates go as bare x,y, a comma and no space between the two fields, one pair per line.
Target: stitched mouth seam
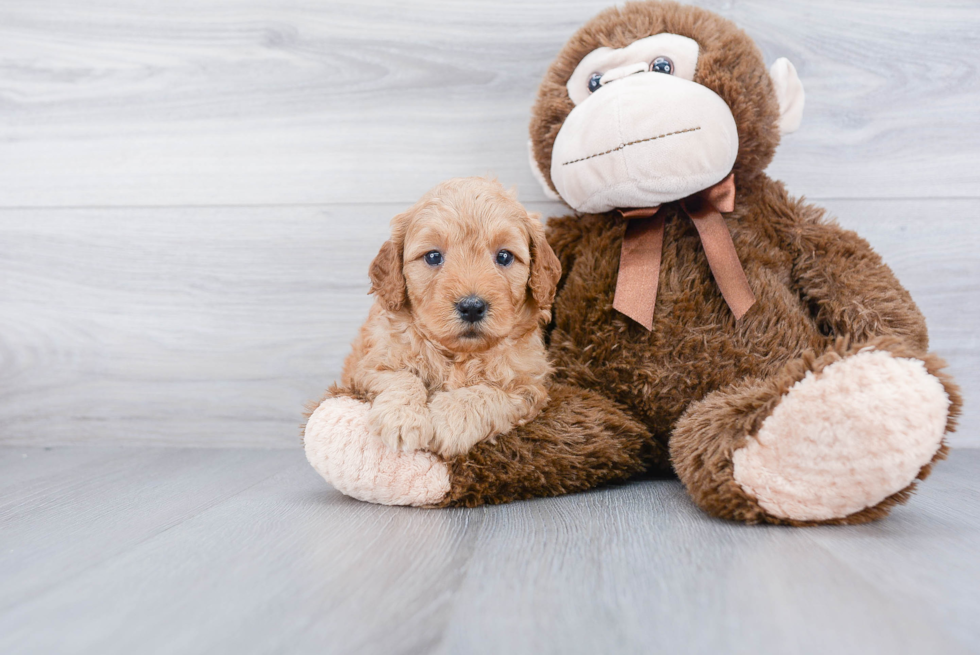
632,143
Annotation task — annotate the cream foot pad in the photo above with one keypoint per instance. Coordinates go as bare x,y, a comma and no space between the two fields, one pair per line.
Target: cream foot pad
845,439
342,449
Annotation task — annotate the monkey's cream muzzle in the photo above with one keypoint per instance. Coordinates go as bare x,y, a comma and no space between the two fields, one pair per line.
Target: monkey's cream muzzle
641,140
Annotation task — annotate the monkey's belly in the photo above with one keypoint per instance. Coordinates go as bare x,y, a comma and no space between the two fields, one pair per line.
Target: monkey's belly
695,347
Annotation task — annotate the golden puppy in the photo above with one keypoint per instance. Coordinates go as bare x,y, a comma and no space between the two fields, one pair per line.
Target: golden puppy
452,351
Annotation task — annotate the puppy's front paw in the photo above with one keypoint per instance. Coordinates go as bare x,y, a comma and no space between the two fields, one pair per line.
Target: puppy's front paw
455,427
400,426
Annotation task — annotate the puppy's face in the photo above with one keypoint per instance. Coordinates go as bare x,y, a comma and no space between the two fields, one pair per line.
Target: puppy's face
466,270
475,266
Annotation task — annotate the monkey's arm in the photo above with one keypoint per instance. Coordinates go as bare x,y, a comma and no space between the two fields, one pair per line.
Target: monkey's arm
579,441
850,290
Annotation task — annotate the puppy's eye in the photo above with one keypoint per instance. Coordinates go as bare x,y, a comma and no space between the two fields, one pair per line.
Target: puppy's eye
505,258
662,65
595,82
433,258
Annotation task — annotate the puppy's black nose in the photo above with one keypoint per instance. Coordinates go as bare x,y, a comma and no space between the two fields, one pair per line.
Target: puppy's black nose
472,309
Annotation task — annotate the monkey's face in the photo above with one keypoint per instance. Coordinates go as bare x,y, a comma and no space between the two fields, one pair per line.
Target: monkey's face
654,118
642,132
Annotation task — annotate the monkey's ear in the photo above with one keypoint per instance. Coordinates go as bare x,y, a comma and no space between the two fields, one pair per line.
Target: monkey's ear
539,176
789,92
545,267
387,279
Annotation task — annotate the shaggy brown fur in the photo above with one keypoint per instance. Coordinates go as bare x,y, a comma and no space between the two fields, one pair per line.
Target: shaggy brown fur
700,382
713,428
579,441
434,380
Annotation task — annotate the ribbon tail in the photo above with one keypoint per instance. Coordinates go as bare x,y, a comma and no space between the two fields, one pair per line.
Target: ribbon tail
639,269
723,259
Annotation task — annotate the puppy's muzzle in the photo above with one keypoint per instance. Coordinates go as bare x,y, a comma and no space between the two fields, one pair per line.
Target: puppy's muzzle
472,309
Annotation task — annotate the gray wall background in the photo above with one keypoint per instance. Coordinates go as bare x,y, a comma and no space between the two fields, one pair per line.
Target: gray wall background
191,190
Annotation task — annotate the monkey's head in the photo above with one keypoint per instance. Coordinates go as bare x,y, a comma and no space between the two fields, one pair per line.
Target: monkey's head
654,101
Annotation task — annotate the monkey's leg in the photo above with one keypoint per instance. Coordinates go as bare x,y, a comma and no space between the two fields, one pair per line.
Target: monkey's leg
579,441
836,438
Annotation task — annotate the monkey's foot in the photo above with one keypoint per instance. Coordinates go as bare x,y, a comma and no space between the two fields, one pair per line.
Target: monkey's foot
845,438
340,446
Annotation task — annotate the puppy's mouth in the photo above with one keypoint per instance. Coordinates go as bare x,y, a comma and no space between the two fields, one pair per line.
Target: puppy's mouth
470,338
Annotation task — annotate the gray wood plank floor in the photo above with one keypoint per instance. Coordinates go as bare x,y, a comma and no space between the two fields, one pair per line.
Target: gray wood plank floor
143,550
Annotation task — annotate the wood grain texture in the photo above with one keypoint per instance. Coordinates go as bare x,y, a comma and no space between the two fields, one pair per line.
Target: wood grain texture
214,326
68,519
182,102
248,551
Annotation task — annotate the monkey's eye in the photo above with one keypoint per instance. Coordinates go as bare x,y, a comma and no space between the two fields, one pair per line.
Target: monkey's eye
505,258
594,82
433,258
662,65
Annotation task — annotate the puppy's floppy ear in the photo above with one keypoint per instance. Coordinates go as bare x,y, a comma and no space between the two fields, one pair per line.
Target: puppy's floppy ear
387,279
545,267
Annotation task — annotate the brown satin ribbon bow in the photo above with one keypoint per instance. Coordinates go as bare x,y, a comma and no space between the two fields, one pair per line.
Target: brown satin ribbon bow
639,261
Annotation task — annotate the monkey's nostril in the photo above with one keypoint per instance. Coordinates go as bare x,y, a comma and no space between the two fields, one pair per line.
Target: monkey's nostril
471,309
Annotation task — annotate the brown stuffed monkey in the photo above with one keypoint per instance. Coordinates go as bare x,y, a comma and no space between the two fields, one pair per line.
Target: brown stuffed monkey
706,322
